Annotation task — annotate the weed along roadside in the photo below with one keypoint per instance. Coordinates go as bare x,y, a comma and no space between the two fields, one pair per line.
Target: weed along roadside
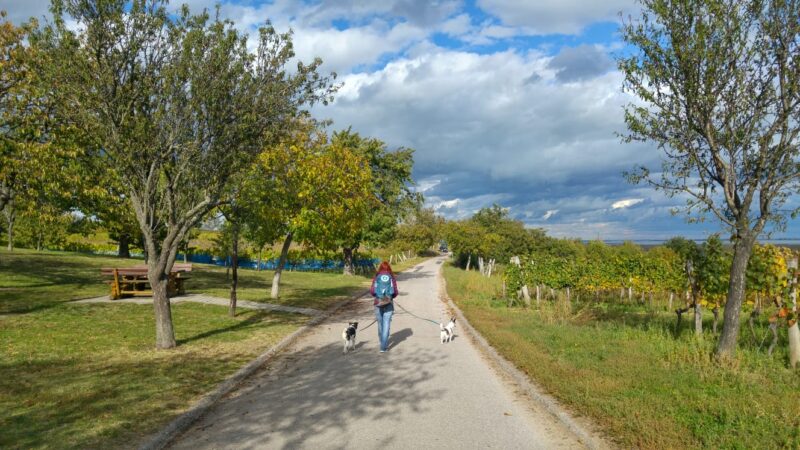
585,431
626,371
86,375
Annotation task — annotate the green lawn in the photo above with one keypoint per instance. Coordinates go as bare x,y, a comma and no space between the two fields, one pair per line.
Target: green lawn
624,368
86,375
31,281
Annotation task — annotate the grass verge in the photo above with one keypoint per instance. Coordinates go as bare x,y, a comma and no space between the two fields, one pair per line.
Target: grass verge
624,367
86,375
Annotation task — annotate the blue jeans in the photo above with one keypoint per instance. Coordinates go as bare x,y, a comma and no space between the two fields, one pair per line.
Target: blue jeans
383,315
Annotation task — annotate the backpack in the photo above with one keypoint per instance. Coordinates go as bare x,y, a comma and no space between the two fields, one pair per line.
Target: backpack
384,286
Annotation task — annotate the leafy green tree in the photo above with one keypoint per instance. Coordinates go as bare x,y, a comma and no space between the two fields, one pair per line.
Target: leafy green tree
175,104
391,188
719,84
309,190
464,239
512,238
15,86
492,234
420,232
34,180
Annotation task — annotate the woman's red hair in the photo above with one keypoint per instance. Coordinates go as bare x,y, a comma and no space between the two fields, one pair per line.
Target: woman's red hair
385,267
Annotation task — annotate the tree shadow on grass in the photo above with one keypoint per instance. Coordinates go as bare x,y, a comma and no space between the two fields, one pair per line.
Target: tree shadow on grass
53,279
255,318
99,402
641,317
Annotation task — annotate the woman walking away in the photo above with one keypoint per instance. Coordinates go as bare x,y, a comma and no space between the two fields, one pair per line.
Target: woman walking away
384,290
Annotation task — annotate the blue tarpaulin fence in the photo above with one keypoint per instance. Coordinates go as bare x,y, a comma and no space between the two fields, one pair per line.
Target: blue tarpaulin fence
301,265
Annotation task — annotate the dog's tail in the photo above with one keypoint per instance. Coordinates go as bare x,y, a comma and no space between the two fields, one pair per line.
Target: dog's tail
441,326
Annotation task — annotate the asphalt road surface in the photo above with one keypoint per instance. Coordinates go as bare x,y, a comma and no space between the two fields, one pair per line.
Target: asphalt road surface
420,394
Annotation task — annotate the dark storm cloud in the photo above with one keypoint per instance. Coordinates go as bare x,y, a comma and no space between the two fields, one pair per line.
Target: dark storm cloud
580,63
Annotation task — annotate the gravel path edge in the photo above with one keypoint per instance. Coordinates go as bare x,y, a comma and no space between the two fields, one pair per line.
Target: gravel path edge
590,438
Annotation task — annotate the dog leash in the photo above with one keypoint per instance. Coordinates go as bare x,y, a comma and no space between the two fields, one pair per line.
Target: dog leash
418,317
370,324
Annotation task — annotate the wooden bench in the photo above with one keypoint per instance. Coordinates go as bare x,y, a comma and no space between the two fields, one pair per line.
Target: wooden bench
132,281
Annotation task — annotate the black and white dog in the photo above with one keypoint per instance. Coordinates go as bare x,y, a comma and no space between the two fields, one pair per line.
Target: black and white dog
448,330
349,336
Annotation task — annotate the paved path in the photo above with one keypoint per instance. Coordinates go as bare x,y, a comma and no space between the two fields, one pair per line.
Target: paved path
420,394
209,300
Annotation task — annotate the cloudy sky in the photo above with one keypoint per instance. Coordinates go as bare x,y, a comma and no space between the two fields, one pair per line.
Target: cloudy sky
508,102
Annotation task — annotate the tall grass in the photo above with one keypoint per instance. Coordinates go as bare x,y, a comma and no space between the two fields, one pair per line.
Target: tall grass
624,366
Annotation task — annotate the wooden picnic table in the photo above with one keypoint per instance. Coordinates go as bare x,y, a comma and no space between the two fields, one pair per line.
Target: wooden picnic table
132,281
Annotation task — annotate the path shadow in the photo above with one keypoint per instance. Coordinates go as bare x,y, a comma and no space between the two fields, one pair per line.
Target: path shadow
315,393
405,276
396,338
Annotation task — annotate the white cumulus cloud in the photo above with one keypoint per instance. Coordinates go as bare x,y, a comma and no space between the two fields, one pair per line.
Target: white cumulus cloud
626,203
550,213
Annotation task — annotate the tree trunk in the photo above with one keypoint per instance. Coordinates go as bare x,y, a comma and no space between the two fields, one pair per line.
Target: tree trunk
671,295
144,250
733,306
773,327
234,271
698,318
5,195
469,261
165,334
348,261
679,313
124,246
538,296
753,316
715,311
11,218
276,278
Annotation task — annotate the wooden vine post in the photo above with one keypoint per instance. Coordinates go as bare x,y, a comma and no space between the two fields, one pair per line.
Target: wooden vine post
526,295
698,309
794,332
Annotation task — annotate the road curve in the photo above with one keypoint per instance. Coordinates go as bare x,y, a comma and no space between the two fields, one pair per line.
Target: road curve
420,394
